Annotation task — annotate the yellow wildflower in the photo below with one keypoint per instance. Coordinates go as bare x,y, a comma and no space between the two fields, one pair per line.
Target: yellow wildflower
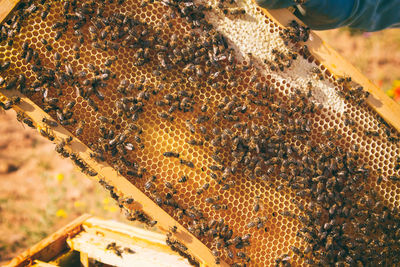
60,177
106,200
78,204
61,213
111,208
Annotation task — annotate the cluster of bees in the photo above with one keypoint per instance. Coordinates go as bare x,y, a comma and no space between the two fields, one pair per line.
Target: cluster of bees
344,221
15,100
118,250
177,246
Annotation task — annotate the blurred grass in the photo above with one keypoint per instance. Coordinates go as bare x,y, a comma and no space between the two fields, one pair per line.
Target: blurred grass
59,209
36,202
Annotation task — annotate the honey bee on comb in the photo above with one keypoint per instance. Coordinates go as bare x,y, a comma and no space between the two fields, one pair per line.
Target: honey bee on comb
239,130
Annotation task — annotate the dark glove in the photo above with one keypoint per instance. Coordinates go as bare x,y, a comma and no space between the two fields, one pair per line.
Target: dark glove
369,15
326,14
275,4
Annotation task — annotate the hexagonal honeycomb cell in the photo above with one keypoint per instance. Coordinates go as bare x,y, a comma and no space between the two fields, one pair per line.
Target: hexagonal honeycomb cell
222,118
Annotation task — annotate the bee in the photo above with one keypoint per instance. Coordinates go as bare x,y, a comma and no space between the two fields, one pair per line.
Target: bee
21,117
394,178
59,24
372,133
397,163
317,73
204,107
68,121
303,193
104,32
5,65
60,148
51,101
296,250
215,253
47,134
215,168
158,200
104,119
203,130
92,104
246,237
28,55
165,115
115,248
45,12
79,128
202,188
256,206
69,70
209,200
9,103
129,200
306,52
161,103
137,139
195,142
201,119
50,123
108,62
12,83
168,185
187,163
173,108
98,155
213,176
149,184
183,179
129,146
229,253
152,223
173,229
344,81
171,154
241,254
251,224
190,126
57,56
58,35
234,11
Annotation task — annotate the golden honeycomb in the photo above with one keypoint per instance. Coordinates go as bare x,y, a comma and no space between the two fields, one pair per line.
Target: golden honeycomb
173,93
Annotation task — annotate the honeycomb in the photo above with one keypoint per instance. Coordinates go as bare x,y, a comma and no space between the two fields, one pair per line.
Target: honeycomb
220,116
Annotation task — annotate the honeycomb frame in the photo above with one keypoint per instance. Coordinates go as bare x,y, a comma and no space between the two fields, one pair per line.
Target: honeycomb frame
384,106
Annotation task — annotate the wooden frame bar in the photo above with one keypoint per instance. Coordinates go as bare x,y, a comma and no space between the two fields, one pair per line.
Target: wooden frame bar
6,6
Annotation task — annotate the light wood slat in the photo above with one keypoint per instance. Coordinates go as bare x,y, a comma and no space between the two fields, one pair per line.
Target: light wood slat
51,246
6,6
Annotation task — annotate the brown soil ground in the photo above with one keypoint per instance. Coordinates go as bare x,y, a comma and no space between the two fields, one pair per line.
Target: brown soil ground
40,191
